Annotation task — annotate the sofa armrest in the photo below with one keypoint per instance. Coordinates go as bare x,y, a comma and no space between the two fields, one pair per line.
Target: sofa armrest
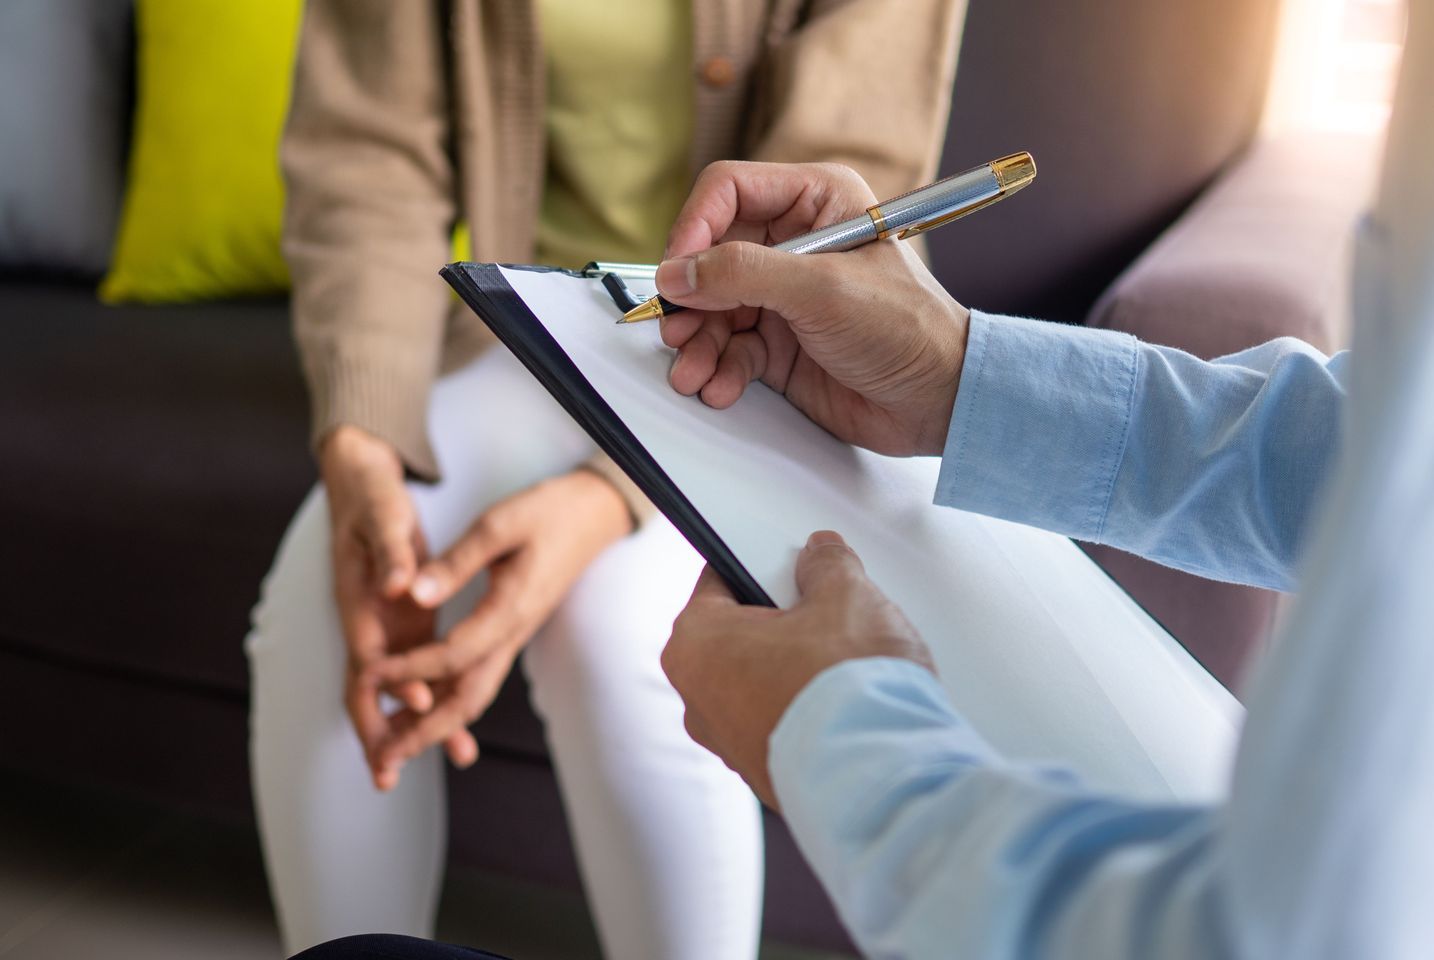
1263,253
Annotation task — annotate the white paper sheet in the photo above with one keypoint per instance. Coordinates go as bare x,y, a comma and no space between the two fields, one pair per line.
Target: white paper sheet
1038,648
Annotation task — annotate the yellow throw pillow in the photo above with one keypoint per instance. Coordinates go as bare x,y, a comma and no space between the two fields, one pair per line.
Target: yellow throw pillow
204,199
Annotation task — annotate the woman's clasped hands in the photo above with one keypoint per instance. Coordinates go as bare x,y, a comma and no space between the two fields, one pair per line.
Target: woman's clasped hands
533,545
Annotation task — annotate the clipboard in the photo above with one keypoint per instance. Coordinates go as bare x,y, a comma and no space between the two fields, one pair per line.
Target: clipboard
1041,651
483,288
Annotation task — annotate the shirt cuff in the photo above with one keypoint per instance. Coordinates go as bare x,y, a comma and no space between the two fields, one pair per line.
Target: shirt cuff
857,737
1040,423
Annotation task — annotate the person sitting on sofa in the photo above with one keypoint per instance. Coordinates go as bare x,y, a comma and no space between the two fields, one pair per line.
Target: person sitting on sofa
558,136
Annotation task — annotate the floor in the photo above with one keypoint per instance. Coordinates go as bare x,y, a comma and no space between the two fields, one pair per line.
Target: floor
86,875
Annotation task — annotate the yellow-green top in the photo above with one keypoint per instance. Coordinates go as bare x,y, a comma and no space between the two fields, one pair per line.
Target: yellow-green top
619,127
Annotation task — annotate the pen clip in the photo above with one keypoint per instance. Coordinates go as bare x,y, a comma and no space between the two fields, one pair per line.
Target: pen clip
919,228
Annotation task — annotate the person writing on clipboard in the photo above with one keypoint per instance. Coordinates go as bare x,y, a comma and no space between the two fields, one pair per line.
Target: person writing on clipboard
930,843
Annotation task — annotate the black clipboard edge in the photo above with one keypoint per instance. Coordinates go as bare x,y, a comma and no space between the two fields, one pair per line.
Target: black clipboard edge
483,287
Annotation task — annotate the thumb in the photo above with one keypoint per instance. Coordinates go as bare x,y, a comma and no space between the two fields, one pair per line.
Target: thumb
390,543
827,565
484,542
740,274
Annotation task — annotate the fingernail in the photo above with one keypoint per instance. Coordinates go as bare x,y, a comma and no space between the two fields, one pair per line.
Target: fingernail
425,589
677,278
822,537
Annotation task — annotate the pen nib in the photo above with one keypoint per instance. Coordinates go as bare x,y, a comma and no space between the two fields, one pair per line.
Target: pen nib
650,310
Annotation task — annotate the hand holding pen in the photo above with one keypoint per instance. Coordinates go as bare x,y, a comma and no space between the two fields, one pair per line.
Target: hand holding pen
923,209
867,344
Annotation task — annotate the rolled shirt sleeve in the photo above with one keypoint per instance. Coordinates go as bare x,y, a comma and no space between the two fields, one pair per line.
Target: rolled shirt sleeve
1210,467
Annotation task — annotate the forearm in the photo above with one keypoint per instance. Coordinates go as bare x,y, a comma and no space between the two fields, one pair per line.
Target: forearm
1213,468
369,216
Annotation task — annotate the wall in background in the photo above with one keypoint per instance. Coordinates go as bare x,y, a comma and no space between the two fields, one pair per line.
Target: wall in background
1336,65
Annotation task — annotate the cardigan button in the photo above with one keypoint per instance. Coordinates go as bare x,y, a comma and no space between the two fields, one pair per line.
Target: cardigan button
718,72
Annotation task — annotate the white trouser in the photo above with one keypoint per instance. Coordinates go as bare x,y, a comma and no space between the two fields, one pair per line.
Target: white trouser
668,838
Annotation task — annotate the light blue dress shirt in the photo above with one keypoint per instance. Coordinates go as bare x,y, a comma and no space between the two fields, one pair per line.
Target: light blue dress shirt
934,846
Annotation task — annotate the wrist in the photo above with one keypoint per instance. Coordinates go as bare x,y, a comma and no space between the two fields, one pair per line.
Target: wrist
941,399
349,449
602,504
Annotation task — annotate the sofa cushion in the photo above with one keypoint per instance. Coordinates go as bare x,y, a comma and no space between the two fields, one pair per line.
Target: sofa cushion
153,457
204,201
64,110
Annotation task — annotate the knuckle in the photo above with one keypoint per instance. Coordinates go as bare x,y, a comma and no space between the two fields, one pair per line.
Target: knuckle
842,180
683,222
454,658
694,728
746,255
706,344
837,560
458,559
442,569
474,708
527,611
393,537
713,176
721,169
846,564
756,366
731,261
491,526
390,516
850,179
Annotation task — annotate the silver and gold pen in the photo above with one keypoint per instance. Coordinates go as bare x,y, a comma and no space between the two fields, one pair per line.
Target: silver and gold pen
905,216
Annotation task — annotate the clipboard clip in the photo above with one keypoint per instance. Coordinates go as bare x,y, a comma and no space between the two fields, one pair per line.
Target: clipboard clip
614,280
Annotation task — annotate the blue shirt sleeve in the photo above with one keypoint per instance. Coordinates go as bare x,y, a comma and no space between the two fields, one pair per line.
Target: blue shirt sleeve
1211,467
932,846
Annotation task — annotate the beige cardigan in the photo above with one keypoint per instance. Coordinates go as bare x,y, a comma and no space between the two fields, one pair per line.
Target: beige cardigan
409,115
